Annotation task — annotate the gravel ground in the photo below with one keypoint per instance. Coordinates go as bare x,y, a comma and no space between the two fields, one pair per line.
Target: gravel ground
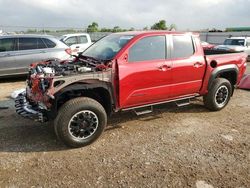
172,147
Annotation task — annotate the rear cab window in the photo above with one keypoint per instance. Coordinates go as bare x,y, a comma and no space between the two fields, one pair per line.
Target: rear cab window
7,44
148,48
183,46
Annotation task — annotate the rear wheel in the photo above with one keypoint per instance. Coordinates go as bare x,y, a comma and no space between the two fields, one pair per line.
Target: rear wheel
80,122
218,95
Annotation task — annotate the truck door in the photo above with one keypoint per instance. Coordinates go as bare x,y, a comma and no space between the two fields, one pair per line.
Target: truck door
145,75
188,65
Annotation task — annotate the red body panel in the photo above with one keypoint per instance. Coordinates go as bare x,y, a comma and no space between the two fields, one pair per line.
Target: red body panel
238,59
142,83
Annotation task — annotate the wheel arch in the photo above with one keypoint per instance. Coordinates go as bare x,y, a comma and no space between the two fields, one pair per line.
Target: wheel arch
100,91
229,72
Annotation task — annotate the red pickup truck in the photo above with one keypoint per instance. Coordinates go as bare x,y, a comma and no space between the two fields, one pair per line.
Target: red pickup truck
127,71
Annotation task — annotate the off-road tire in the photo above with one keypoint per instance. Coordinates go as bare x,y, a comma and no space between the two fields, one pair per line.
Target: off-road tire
69,110
210,100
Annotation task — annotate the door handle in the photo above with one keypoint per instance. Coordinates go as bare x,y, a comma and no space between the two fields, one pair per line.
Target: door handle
198,64
77,46
164,67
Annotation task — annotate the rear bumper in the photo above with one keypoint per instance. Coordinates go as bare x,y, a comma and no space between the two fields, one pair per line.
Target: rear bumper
27,110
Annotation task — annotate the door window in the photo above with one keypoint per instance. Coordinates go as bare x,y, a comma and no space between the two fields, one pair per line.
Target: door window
40,44
49,43
83,39
31,44
148,48
182,46
71,40
7,44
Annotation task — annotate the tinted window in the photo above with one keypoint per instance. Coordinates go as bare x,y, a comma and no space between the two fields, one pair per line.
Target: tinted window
7,44
148,48
83,39
40,44
27,43
71,40
182,46
49,43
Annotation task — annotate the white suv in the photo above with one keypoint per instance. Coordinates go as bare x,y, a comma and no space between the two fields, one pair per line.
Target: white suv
78,42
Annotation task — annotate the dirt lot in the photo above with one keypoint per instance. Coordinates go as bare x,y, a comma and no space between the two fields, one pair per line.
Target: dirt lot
173,147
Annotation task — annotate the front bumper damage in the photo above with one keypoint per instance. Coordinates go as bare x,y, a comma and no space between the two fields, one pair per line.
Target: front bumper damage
28,110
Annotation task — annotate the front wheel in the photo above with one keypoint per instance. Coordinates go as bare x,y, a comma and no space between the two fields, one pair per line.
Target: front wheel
218,95
80,122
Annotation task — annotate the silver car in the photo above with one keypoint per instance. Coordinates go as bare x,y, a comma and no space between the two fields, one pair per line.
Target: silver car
17,52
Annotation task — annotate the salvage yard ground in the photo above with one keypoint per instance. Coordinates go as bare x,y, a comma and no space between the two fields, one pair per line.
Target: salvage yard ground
172,147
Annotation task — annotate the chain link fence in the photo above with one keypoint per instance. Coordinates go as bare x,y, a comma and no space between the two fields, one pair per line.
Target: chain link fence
211,37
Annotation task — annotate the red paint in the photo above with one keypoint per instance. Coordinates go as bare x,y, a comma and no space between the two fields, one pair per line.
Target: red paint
143,83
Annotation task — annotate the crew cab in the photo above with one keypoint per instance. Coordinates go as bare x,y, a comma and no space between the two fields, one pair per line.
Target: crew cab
126,71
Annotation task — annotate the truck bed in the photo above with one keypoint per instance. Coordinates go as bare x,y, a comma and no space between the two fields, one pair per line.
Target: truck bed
215,51
224,56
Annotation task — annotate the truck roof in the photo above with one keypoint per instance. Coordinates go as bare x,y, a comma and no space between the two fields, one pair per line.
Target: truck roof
75,34
155,32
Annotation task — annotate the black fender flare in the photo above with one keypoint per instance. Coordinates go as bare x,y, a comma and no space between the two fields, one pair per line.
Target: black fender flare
222,69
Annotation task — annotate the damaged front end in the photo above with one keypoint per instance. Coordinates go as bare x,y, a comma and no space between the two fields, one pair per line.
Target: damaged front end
46,78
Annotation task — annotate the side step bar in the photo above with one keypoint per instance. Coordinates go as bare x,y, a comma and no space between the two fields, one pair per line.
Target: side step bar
184,102
142,111
145,109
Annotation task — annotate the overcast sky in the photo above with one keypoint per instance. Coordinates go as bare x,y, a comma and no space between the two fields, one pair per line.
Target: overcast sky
186,14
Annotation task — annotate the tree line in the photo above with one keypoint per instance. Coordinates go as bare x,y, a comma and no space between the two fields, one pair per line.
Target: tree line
94,27
161,25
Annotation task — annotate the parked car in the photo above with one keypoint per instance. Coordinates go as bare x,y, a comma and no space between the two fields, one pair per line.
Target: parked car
206,45
78,42
17,52
238,44
127,71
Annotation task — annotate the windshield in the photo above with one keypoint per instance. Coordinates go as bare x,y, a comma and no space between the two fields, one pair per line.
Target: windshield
237,42
107,47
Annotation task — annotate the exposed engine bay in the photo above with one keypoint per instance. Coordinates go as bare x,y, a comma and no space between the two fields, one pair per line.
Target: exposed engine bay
81,64
48,77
